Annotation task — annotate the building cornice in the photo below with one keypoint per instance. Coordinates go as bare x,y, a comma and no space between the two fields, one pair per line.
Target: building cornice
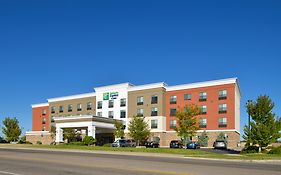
148,86
72,97
39,105
113,87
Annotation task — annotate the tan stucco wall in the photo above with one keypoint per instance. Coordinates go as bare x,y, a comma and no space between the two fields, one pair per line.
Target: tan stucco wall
45,139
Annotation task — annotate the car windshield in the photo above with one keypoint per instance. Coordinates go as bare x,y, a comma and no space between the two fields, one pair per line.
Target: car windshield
122,141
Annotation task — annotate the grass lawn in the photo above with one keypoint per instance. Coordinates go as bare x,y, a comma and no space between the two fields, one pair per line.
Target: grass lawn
185,152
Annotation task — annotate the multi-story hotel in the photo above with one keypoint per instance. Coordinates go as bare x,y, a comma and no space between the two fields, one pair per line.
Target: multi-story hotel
94,113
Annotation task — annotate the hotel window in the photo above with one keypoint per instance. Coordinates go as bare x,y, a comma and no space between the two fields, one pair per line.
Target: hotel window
61,109
99,114
79,107
140,112
43,128
110,103
173,111
202,96
187,96
140,100
154,124
173,99
154,99
89,105
53,109
203,109
122,114
44,112
99,104
110,114
222,94
44,120
223,122
154,111
69,108
173,124
202,123
222,108
122,102
52,119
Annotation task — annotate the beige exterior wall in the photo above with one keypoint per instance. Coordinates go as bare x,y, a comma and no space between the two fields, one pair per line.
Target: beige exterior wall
147,93
74,103
45,139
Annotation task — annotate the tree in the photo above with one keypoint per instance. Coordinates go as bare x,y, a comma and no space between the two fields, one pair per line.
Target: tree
11,129
186,122
222,137
70,134
138,129
119,131
265,126
89,140
53,132
203,139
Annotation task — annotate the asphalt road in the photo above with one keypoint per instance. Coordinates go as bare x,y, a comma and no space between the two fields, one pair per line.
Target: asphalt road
39,162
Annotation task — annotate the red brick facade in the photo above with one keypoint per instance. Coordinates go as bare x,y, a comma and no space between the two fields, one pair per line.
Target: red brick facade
39,115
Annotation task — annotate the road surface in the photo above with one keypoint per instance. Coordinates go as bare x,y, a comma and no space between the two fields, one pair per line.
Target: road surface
43,162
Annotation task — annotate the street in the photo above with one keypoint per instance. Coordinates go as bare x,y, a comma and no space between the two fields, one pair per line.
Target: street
43,162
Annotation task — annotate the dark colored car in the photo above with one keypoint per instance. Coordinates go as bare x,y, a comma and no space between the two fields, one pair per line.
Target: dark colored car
131,143
120,143
151,144
176,144
220,145
192,145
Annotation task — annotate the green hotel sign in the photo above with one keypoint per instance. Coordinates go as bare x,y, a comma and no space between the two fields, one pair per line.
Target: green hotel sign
106,96
111,95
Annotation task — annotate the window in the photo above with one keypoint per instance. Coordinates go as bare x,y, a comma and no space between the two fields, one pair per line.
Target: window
222,108
140,100
79,107
44,120
110,103
52,119
69,108
53,109
203,109
122,114
173,99
173,124
173,111
154,111
99,114
154,99
89,105
202,96
187,96
43,128
140,112
202,123
222,94
223,122
123,102
99,104
154,124
61,109
110,114
44,112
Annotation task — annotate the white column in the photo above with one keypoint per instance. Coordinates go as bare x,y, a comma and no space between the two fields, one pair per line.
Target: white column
59,135
92,131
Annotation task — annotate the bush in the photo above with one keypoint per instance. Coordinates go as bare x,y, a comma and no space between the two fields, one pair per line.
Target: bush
39,143
89,140
76,143
250,149
107,145
276,150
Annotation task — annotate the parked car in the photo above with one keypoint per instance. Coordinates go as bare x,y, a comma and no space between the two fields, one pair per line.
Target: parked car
120,143
192,145
176,144
151,144
220,145
131,143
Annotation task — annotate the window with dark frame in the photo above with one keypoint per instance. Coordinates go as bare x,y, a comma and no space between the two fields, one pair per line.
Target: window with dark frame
122,114
110,114
154,124
202,123
140,112
222,122
154,111
99,105
122,102
222,94
203,109
53,109
61,109
173,99
69,108
173,124
203,96
187,96
79,107
140,100
222,108
89,105
111,103
154,99
173,111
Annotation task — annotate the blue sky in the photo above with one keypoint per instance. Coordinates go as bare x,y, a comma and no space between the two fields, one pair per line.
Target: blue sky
57,48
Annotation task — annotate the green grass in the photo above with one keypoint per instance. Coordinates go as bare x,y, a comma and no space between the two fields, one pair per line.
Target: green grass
185,152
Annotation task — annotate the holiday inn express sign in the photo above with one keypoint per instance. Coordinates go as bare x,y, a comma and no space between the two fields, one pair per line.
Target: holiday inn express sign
110,95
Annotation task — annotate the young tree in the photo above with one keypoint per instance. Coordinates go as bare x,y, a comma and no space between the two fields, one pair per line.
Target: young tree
119,131
265,126
53,132
186,122
70,134
11,129
203,139
138,129
222,137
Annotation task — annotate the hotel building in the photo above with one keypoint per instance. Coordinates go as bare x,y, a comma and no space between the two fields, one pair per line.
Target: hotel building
94,113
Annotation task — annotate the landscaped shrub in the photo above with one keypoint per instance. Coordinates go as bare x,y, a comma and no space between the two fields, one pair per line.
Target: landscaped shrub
89,140
250,149
276,150
76,143
107,145
39,143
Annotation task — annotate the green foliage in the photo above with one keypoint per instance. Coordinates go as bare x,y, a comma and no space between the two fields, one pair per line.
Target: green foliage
53,131
222,137
39,143
250,149
71,135
276,150
186,122
76,143
106,145
203,139
11,129
89,140
265,127
119,131
23,141
138,129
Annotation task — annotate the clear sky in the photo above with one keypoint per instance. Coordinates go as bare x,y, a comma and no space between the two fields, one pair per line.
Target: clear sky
57,48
